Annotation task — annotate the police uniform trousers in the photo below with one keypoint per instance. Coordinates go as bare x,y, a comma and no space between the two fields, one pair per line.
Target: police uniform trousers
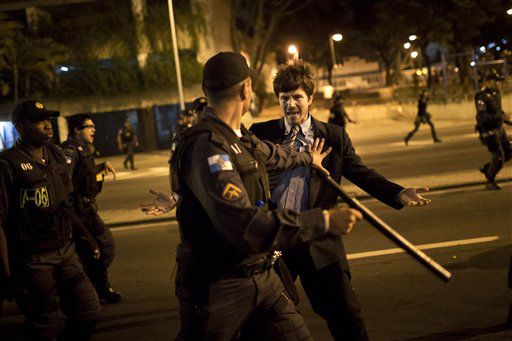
48,277
250,308
330,293
97,269
500,148
427,118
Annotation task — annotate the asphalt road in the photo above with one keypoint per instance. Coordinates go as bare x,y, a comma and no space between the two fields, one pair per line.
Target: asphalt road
460,152
400,299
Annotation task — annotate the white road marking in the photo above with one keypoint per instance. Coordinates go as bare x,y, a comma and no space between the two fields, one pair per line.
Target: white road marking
423,247
350,256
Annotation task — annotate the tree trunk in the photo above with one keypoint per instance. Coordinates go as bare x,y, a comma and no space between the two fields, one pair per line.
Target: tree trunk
427,60
27,86
387,64
16,81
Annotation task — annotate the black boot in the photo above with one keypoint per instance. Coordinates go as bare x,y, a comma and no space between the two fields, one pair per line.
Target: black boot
109,295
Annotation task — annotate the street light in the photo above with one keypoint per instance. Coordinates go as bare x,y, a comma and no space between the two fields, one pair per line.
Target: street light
414,54
407,45
509,11
293,53
332,38
413,37
335,37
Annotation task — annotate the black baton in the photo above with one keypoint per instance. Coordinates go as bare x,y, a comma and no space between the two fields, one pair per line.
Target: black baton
388,231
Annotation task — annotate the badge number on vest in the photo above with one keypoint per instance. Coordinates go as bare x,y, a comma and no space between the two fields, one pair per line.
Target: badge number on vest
39,196
26,166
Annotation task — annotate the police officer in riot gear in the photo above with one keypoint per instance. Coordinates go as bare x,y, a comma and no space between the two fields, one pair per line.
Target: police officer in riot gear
87,183
38,257
225,280
489,124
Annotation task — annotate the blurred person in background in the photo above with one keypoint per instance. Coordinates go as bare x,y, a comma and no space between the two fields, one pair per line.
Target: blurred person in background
338,115
489,124
423,117
127,140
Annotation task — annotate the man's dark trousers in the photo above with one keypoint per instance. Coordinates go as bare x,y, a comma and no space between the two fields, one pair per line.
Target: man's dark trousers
500,148
322,264
330,293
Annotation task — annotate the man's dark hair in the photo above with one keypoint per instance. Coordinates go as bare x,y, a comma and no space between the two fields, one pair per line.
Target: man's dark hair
291,77
77,121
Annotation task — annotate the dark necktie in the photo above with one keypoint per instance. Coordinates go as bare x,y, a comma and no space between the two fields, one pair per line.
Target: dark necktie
292,137
274,177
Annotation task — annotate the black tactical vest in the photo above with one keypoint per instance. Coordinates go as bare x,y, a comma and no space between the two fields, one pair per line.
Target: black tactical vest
38,218
85,182
492,101
203,251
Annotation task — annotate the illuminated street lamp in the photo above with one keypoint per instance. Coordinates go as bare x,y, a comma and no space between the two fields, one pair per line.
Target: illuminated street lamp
293,53
335,37
413,37
509,11
414,54
407,45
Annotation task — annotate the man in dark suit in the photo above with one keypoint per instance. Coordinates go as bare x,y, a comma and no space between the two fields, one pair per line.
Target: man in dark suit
322,265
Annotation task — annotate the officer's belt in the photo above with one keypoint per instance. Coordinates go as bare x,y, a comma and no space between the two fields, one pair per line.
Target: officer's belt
247,270
490,133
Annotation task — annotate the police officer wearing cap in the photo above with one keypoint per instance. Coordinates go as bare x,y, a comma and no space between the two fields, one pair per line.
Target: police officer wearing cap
490,118
225,280
87,183
39,264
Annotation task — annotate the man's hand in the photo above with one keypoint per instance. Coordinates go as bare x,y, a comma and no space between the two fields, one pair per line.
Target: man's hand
318,156
342,220
109,169
164,202
411,197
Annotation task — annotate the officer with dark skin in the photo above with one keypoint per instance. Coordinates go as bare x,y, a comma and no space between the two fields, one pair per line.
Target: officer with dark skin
39,264
489,124
225,278
338,115
87,182
422,118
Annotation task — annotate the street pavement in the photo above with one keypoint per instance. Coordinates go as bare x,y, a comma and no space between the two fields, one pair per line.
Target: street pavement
466,228
454,162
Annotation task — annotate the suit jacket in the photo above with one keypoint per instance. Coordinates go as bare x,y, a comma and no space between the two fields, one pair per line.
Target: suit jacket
341,162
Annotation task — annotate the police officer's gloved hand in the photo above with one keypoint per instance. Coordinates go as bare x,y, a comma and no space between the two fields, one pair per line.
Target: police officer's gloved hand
9,287
342,220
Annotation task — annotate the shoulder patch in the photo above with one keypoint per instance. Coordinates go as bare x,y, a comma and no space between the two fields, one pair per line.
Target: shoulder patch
231,192
219,162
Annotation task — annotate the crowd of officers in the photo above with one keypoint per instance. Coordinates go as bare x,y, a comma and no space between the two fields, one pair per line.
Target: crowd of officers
252,212
55,249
